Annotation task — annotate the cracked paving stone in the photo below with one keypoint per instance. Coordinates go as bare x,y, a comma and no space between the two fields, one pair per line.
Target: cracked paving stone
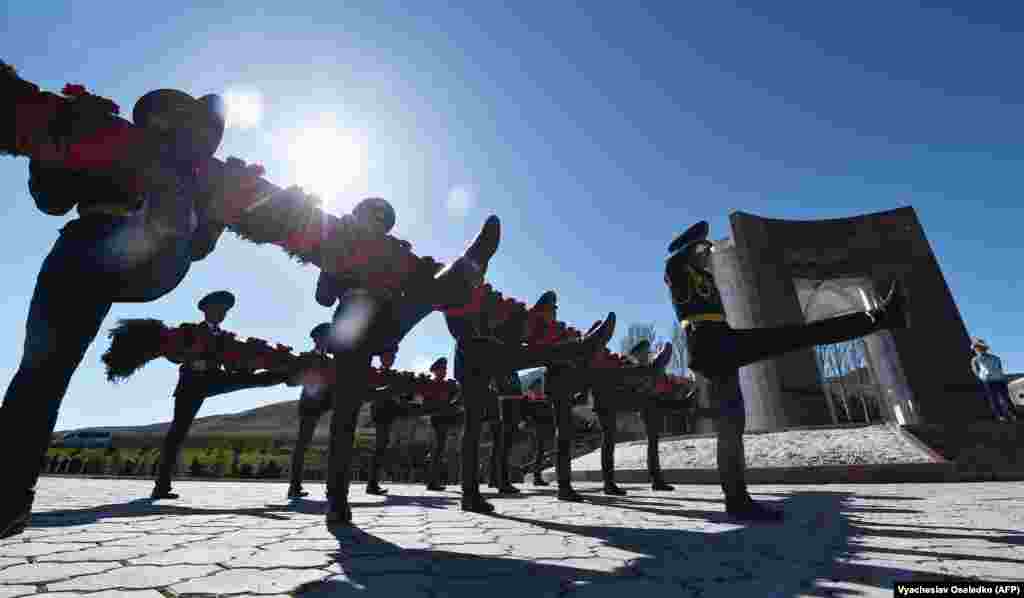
107,594
382,586
96,553
135,577
402,539
14,591
493,549
544,547
197,554
159,540
271,559
451,524
397,531
90,536
48,572
265,581
33,549
467,538
308,545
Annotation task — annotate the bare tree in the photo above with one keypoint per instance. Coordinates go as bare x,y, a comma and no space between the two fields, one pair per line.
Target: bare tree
843,371
680,357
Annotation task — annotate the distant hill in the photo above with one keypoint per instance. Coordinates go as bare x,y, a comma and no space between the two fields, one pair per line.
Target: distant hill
277,420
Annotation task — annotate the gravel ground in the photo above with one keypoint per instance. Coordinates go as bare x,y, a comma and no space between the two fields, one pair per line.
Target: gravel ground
794,448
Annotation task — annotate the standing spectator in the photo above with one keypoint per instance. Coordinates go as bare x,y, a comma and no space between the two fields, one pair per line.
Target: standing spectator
989,369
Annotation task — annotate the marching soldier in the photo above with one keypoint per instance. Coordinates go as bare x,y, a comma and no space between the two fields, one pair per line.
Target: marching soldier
717,351
479,358
537,414
440,401
316,400
125,246
201,377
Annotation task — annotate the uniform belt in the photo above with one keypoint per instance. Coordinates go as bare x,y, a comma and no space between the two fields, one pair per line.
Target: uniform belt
109,209
701,318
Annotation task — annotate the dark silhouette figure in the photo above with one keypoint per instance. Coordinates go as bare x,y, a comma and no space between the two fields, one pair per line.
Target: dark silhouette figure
316,399
202,377
717,351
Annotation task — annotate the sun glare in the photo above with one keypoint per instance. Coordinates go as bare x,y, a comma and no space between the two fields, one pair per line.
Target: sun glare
244,108
326,161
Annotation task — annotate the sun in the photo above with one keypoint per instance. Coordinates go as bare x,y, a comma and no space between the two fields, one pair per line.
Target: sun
326,161
244,108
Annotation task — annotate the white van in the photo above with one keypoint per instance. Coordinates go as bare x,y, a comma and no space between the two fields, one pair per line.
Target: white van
87,439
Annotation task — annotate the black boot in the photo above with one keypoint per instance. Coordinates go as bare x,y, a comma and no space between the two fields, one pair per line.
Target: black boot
297,492
163,492
483,247
567,494
539,481
507,488
613,490
453,285
661,486
475,503
15,514
375,489
435,487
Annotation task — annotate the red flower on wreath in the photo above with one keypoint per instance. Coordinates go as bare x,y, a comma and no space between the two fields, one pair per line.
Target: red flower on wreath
74,90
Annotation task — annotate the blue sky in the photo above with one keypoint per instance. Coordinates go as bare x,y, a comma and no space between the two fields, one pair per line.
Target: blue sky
596,132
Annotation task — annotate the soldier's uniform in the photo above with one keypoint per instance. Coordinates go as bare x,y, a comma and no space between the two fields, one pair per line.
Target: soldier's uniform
538,414
440,402
105,256
315,401
717,351
200,378
479,358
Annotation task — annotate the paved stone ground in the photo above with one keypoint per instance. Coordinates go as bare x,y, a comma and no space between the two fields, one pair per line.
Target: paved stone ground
98,538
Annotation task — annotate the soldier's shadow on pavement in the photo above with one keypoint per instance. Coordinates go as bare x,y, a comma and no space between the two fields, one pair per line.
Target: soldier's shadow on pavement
144,507
801,556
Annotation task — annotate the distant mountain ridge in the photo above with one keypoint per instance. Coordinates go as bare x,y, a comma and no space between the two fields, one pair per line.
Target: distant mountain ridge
277,420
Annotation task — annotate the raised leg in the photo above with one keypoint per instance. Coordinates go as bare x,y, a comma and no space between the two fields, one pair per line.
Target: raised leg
718,349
